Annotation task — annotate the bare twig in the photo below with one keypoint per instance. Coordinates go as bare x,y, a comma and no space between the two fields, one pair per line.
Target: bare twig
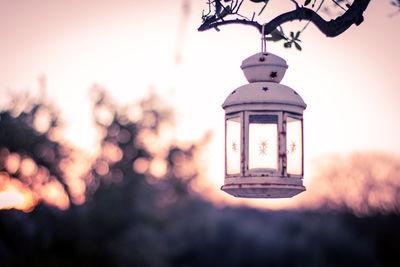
241,2
339,5
295,2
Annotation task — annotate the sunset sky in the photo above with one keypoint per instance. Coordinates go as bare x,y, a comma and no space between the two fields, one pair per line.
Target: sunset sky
350,83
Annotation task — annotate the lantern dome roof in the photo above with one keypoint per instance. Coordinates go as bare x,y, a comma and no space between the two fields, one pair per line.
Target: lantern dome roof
264,95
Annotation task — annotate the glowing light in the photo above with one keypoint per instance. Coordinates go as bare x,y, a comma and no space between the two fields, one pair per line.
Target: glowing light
53,193
103,115
13,162
263,142
233,145
28,167
294,146
14,196
102,168
42,120
141,165
112,152
158,168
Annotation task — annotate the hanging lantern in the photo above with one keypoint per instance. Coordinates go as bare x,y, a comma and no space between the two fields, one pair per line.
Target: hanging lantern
264,133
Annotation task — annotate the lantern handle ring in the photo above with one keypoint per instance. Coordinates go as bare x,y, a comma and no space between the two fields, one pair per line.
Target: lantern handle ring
263,41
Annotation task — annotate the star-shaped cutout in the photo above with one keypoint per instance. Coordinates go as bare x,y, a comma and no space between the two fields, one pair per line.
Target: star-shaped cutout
273,74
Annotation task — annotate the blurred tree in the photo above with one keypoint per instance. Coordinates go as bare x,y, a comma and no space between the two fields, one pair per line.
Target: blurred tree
363,183
134,184
134,149
223,12
29,150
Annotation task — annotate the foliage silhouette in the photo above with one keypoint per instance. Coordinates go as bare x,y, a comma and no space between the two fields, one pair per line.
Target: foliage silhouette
361,183
226,12
26,136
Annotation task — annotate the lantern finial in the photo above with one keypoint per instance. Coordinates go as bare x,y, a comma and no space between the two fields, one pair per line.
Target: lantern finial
264,67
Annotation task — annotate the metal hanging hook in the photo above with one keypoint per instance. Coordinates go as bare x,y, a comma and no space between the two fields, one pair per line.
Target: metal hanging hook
263,41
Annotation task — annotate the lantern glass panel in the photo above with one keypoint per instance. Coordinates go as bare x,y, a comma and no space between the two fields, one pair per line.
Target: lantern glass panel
294,146
233,146
263,142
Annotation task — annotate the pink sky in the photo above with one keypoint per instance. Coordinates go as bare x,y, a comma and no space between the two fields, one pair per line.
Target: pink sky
350,83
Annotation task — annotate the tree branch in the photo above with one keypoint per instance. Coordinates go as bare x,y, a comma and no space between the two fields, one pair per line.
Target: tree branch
332,28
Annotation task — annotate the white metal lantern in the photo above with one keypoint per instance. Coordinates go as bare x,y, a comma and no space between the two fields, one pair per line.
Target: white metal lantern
264,133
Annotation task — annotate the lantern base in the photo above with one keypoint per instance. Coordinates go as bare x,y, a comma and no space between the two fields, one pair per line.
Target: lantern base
263,190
